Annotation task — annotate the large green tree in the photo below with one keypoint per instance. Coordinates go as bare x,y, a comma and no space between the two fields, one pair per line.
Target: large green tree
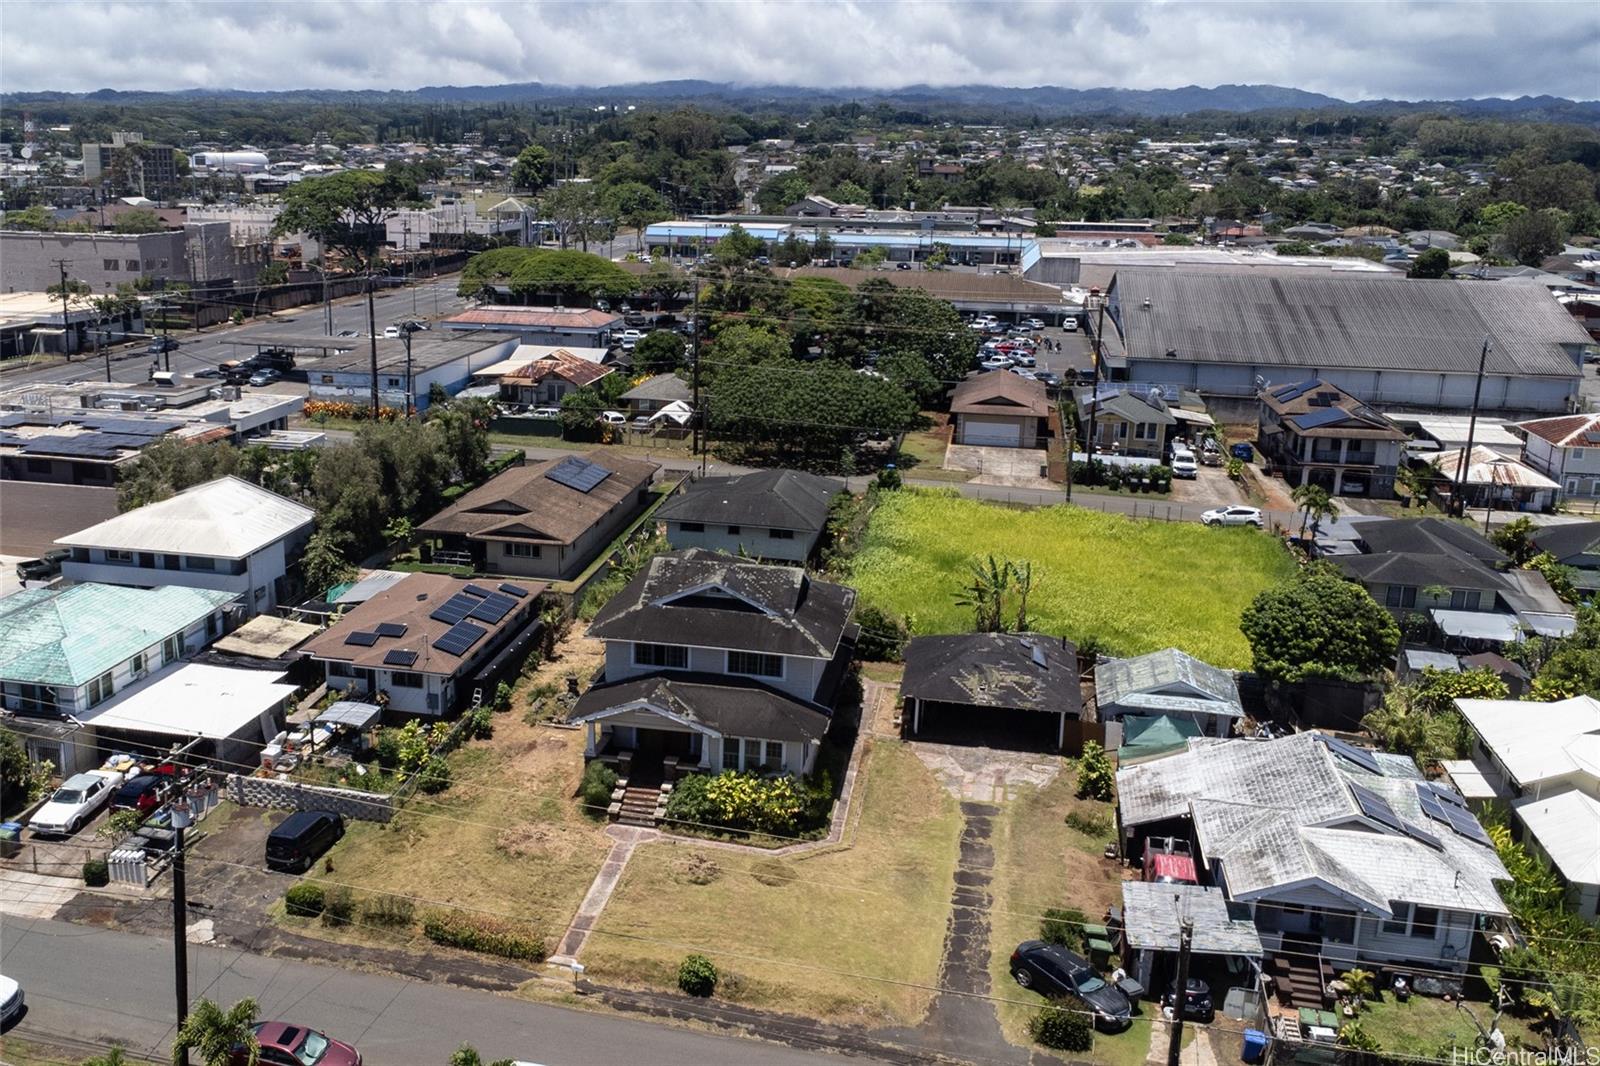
1318,625
344,212
1533,237
533,168
1433,263
659,352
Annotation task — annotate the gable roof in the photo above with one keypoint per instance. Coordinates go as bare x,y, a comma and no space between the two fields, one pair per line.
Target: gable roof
725,602
1428,536
727,705
561,364
1567,827
1167,680
665,387
1538,741
1568,540
1133,408
1565,431
1418,570
525,503
70,636
228,518
1315,408
1485,466
766,499
1000,394
1018,671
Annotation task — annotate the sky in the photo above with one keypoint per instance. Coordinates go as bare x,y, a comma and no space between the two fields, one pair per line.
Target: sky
1353,50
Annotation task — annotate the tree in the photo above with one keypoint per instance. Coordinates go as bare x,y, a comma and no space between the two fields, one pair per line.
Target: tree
868,258
1096,779
15,772
345,212
533,168
215,1034
1533,237
661,282
467,1055
1318,625
323,564
139,220
634,204
274,273
580,411
659,352
1433,263
779,191
1515,538
737,247
575,214
37,218
169,466
986,593
1315,505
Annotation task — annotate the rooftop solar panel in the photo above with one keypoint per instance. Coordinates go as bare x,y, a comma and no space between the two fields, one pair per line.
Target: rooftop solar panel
1293,392
1416,832
493,609
1351,753
1376,807
1431,805
1464,823
579,474
475,590
361,637
454,609
391,629
1448,795
400,657
513,590
1320,417
462,636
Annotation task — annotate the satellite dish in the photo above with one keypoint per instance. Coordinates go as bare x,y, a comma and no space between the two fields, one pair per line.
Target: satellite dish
27,151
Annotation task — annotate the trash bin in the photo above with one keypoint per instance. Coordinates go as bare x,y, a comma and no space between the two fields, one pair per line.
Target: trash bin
1255,1046
10,839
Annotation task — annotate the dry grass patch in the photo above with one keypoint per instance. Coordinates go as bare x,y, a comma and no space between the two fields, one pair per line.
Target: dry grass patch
822,934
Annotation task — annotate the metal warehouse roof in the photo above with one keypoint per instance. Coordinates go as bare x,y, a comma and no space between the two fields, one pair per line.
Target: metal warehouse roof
1345,321
228,518
70,636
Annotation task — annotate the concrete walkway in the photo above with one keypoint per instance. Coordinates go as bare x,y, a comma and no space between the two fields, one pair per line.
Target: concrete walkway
626,838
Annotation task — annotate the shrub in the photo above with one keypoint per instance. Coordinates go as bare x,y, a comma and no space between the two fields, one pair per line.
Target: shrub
697,976
304,900
502,697
480,933
434,777
688,804
1096,779
96,873
595,789
749,802
388,748
394,912
1089,823
883,635
480,724
1064,926
1062,1028
338,906
120,824
1351,1034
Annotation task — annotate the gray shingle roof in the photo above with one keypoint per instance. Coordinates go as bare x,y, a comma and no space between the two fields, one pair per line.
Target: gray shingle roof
663,387
1431,536
767,499
1418,570
727,705
1344,321
995,670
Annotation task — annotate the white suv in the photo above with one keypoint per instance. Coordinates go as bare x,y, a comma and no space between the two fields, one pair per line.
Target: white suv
1184,464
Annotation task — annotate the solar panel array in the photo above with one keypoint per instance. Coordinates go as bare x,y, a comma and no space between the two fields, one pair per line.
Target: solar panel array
1443,806
1350,753
454,609
475,590
1291,392
1320,417
391,629
577,473
400,657
361,637
513,590
460,637
1376,807
493,608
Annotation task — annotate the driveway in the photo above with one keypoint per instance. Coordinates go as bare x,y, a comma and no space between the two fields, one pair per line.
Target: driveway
986,775
1018,468
1211,487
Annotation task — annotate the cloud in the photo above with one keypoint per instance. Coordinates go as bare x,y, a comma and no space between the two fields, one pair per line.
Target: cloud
1353,50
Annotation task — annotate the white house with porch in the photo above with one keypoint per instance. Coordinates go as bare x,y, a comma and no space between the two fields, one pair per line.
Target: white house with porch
717,663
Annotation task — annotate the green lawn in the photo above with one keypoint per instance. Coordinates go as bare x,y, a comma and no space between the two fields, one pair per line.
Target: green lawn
1433,1028
1134,585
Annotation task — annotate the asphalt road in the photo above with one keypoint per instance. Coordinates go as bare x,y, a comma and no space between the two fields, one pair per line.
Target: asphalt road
99,985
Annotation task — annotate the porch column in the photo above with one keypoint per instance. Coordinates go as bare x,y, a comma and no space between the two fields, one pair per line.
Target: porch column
916,715
705,749
1061,730
588,743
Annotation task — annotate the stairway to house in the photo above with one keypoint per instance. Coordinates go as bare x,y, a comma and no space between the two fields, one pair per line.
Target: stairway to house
1299,981
639,805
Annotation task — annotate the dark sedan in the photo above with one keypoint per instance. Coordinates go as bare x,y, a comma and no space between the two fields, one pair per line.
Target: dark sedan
142,793
285,1044
1052,970
1197,1005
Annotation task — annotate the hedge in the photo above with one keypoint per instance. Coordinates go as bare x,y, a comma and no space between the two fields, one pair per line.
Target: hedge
96,873
488,935
1062,1028
304,900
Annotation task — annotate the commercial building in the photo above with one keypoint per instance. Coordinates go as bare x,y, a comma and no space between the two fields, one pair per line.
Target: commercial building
434,357
693,237
198,253
564,327
131,162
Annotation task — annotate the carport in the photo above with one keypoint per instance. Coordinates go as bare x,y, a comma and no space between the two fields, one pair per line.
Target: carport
1225,949
1005,690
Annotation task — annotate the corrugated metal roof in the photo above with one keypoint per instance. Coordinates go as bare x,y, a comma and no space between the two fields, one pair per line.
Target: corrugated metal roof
1567,827
1345,322
1152,914
70,636
225,519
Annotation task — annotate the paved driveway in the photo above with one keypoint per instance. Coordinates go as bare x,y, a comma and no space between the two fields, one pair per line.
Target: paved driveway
1021,468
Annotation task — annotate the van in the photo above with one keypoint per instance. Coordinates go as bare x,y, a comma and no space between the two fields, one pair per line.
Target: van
301,838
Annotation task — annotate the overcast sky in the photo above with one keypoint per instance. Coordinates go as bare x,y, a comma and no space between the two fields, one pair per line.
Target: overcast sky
1353,50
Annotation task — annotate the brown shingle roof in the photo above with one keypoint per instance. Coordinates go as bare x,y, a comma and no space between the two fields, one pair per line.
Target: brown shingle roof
1000,394
1567,431
525,505
562,364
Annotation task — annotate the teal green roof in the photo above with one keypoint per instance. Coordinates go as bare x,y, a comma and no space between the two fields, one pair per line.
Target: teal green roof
71,636
1150,735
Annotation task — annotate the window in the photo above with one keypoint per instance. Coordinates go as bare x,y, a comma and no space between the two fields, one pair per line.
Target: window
1463,599
108,264
261,593
391,383
1401,921
133,266
137,664
116,555
669,656
752,754
326,379
775,754
1577,453
781,534
733,531
101,688
521,551
1144,431
755,664
1122,431
1425,923
1400,596
172,562
44,466
199,562
692,527
171,649
401,679
340,670
730,753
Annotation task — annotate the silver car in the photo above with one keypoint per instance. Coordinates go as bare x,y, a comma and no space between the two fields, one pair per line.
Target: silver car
1234,516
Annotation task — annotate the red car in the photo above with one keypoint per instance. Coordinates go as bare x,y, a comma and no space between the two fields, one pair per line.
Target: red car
286,1044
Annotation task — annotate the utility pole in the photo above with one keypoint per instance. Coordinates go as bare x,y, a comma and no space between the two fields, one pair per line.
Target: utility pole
405,334
372,338
1458,501
1094,397
327,303
66,323
1186,937
694,371
181,817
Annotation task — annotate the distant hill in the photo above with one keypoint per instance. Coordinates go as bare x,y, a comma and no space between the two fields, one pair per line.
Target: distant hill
1043,99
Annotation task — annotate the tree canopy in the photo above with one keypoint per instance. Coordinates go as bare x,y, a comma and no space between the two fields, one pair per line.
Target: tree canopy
345,212
1318,625
543,272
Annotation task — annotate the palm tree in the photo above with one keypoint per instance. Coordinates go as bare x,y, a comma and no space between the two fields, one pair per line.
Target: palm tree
986,594
1314,501
112,1057
215,1033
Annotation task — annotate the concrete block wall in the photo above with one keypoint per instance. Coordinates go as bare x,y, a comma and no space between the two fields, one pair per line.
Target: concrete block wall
290,795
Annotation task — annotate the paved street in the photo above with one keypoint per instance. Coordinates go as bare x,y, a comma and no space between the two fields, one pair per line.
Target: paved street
101,985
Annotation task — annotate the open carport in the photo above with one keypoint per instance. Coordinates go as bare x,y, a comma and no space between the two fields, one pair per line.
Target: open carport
999,690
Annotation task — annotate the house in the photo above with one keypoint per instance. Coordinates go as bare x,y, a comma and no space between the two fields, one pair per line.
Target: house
1169,683
1126,422
424,646
719,663
652,394
547,520
408,368
1545,759
1334,851
1386,340
581,327
1000,410
544,381
225,534
1566,450
998,689
769,514
64,651
1318,434
1492,479
1575,545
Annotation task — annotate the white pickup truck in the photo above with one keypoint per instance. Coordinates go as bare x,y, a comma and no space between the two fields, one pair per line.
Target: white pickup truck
75,802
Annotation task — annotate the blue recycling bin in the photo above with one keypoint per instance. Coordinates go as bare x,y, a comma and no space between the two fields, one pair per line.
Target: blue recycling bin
10,839
1255,1046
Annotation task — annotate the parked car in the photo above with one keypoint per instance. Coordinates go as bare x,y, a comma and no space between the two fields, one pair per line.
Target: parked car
161,345
641,423
1022,372
301,838
45,567
264,377
1184,464
613,418
1022,357
1197,1004
1052,970
1051,380
996,362
1070,324
902,266
545,412
287,1044
348,333
1234,516
77,801
631,337
11,1000
142,793
1242,450
1034,323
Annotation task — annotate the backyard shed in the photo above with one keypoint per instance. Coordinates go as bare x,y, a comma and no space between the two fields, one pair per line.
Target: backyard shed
997,689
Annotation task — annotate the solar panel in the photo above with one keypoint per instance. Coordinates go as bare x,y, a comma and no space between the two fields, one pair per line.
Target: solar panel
1376,807
461,636
475,590
1322,417
454,609
1448,795
577,473
1464,823
513,590
1416,832
1292,392
391,629
1351,753
1431,805
362,637
400,657
494,608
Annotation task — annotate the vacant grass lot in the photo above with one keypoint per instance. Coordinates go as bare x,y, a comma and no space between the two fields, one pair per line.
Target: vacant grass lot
830,934
1133,585
1432,1028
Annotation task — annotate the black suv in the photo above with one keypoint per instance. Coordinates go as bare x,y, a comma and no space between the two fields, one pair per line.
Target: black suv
301,838
1052,970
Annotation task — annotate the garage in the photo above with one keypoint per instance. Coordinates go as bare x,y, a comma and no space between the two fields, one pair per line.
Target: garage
1000,411
990,432
1018,691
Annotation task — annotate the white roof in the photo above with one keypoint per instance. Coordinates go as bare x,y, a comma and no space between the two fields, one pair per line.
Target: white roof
1567,827
226,519
1539,741
677,411
1150,919
1477,625
192,700
1474,782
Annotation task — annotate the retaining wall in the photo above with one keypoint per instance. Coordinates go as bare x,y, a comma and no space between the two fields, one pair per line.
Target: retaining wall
291,795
